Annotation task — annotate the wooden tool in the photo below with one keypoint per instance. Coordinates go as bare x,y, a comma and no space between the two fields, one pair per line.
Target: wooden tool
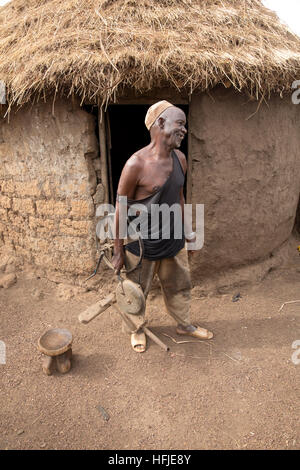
94,310
128,299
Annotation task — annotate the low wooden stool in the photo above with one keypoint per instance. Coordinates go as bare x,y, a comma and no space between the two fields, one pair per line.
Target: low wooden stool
56,347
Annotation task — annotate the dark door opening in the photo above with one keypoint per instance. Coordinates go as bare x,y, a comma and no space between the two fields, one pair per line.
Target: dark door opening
128,134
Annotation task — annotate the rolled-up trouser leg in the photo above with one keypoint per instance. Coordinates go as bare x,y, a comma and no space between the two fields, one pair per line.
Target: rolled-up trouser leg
175,279
142,275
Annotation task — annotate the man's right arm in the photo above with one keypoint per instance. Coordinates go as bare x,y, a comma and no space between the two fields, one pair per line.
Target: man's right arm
127,187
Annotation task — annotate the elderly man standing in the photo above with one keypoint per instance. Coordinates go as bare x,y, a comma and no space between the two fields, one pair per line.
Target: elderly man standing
155,175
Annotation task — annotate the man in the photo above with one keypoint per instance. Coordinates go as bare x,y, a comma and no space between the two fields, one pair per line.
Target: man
155,175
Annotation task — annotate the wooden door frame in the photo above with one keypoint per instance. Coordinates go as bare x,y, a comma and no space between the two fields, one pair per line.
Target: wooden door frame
105,141
105,159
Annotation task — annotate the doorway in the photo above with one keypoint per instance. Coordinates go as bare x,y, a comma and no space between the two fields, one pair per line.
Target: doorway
127,134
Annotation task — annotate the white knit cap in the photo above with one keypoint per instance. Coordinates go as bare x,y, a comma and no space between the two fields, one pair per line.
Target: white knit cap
155,111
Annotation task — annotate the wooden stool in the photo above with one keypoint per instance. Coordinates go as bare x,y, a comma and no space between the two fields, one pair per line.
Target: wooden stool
56,347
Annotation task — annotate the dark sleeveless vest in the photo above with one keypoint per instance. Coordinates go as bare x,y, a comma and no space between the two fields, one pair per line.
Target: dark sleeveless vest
156,245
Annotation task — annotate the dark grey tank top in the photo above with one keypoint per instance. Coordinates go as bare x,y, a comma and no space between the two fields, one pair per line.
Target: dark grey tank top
161,229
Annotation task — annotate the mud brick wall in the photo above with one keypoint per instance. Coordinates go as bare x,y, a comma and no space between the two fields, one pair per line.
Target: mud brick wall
48,156
297,224
245,168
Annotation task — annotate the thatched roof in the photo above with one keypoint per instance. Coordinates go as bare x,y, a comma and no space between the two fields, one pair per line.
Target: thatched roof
96,48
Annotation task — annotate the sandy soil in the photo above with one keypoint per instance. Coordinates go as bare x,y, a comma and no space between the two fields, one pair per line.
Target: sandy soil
238,391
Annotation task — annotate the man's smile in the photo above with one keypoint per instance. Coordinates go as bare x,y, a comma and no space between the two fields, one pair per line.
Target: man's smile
179,135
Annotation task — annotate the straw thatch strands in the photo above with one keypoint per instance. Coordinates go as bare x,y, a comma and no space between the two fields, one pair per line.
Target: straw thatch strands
96,48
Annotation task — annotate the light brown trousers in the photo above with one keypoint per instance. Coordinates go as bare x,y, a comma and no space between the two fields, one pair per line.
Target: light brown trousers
175,280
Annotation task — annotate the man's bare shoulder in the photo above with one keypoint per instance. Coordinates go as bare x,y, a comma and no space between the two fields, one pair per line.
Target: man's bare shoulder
182,159
134,162
138,158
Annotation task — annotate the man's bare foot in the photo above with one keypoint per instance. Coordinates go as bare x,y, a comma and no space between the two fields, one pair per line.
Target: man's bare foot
194,331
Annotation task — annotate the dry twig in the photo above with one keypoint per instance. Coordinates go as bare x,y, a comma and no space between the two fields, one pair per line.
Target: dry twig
290,302
199,341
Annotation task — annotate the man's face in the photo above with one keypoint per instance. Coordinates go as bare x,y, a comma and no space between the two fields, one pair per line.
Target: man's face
174,126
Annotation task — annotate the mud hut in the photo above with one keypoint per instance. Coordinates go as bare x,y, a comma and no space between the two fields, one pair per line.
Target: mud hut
79,77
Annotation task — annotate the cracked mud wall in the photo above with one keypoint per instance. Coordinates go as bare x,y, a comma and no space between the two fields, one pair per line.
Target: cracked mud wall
247,173
297,222
49,171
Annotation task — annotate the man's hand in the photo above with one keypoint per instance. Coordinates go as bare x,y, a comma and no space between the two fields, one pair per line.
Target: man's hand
118,260
191,252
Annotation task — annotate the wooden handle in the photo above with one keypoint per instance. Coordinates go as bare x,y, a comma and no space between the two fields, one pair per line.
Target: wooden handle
94,310
156,339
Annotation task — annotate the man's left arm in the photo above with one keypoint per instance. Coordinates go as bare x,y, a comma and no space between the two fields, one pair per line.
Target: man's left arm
183,162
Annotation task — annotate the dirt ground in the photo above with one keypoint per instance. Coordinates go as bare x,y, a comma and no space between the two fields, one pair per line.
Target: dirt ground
238,391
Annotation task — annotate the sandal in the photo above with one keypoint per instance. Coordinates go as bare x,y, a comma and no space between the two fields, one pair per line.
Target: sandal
138,342
200,333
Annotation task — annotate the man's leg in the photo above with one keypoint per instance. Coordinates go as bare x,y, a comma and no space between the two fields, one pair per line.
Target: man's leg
174,275
143,276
